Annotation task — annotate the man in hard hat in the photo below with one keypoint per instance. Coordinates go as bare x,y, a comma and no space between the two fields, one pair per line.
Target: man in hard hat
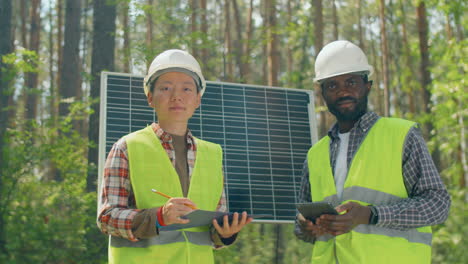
377,172
167,157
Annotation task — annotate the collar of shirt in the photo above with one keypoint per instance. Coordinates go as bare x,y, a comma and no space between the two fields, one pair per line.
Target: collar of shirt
362,125
167,138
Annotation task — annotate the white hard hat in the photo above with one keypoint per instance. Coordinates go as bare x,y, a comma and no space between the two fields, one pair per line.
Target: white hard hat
174,60
340,57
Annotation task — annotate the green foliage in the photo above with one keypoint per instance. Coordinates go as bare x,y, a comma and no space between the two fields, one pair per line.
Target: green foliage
50,220
450,7
256,244
23,61
20,61
449,242
174,16
450,109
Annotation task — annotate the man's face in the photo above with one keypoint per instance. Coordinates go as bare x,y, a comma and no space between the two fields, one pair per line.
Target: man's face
174,97
346,96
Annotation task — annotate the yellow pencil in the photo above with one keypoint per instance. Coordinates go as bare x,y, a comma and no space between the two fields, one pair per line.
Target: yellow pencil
169,197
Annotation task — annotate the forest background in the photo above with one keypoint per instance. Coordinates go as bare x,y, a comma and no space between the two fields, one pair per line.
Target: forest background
52,53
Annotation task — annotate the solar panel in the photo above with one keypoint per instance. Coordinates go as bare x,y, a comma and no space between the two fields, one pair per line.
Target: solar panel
265,133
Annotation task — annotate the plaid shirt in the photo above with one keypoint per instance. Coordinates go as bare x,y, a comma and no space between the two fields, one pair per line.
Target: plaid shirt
428,202
117,205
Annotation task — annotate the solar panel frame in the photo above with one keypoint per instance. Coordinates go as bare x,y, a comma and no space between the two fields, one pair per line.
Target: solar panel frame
209,110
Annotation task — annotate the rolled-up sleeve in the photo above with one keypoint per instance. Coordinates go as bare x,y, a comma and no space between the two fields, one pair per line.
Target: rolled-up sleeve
115,217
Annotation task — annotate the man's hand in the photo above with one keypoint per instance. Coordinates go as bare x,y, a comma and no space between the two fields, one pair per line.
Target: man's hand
175,208
228,230
309,227
355,215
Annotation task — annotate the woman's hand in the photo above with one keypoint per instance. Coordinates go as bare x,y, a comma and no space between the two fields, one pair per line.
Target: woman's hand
238,222
175,208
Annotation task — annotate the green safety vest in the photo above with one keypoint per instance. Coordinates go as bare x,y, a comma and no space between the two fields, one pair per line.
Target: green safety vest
375,177
150,167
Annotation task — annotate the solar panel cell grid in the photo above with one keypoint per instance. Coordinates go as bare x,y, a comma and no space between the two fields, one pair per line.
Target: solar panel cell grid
265,134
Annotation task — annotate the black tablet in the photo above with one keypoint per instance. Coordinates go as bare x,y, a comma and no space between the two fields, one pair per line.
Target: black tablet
311,211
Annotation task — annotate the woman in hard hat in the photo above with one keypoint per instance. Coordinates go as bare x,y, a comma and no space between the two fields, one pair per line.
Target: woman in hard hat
167,157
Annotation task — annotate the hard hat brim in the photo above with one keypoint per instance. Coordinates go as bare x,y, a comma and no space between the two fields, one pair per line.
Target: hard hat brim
369,72
150,82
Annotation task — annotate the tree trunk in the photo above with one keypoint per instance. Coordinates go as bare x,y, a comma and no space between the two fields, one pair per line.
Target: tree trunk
279,246
32,77
462,149
59,44
385,60
304,64
126,38
52,101
448,27
229,72
318,25
246,46
394,53
102,59
273,69
238,41
318,45
377,62
361,28
408,61
24,20
52,90
193,28
86,45
264,34
335,20
460,28
220,67
462,156
6,47
204,30
272,44
425,74
149,32
289,58
424,53
70,81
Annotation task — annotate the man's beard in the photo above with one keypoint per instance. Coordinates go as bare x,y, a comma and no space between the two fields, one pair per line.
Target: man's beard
360,109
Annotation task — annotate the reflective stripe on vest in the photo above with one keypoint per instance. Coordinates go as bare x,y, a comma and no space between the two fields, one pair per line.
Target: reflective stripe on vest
167,237
375,177
150,167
